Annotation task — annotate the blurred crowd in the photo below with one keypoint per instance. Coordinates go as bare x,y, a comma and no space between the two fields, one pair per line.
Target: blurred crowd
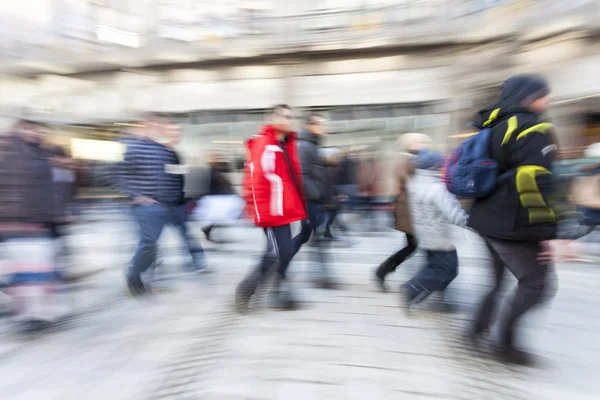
499,183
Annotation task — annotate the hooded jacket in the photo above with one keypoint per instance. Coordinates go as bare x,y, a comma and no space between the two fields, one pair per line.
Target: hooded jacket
523,144
272,192
433,209
313,168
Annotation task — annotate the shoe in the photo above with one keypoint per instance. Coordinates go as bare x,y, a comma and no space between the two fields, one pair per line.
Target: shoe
284,299
474,341
244,291
198,266
136,287
329,236
405,301
326,283
206,232
380,282
76,278
511,355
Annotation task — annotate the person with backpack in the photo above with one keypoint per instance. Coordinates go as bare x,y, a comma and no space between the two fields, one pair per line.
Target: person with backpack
274,194
433,210
506,167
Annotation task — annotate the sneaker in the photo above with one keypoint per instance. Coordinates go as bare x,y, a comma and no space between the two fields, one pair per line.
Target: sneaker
197,267
136,287
405,301
379,282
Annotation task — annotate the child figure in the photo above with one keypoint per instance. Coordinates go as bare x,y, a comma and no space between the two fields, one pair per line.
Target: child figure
433,210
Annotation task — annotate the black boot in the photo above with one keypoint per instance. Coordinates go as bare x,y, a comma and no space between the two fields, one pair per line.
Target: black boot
508,352
380,274
206,230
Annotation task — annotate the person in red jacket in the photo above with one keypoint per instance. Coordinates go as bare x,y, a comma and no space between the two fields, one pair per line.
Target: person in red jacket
273,191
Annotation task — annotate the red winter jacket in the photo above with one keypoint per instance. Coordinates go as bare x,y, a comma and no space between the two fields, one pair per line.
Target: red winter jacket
269,190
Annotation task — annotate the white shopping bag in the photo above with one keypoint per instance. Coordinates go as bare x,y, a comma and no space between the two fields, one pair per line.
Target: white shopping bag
29,269
219,209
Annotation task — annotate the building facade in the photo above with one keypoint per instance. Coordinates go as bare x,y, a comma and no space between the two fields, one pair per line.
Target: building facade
376,68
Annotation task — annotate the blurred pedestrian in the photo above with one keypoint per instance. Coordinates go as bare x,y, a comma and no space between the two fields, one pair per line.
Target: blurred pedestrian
153,177
411,144
27,179
367,180
516,220
347,182
333,197
219,186
63,178
314,180
27,214
273,188
433,212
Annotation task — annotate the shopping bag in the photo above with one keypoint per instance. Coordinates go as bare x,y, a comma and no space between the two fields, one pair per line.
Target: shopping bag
219,209
30,278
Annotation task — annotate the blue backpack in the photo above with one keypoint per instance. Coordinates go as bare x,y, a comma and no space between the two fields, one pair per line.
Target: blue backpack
469,171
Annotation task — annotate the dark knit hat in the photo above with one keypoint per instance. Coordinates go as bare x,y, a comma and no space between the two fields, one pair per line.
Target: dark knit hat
523,90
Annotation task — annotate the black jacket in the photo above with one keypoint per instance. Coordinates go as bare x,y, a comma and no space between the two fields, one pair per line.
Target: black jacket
332,178
520,207
219,184
313,169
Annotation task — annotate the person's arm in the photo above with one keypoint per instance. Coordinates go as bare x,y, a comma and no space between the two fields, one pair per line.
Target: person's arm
307,159
125,173
449,206
534,155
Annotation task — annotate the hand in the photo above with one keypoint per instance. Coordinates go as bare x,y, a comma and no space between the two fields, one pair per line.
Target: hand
554,251
142,200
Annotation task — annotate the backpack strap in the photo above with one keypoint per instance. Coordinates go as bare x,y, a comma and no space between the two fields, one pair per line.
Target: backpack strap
505,168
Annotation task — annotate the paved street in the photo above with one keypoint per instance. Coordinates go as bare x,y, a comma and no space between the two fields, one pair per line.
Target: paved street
353,343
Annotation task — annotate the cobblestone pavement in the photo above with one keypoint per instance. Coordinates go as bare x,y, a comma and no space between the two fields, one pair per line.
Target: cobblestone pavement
352,343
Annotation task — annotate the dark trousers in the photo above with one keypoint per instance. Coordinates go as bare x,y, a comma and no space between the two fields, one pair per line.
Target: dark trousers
280,251
316,218
521,259
331,214
390,265
441,269
151,220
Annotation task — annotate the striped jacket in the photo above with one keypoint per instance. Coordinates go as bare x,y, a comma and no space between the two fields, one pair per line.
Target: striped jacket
151,169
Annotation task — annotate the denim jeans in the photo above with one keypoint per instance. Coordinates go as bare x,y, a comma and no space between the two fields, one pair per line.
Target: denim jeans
151,220
441,269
